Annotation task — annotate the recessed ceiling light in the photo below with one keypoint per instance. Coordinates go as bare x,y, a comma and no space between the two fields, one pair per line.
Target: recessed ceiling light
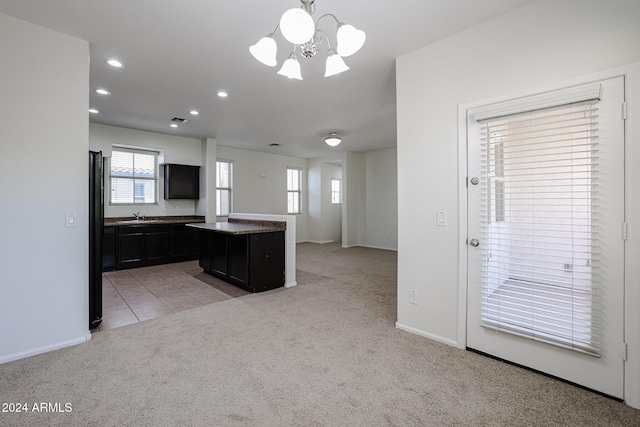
173,125
93,111
223,94
103,91
115,63
194,112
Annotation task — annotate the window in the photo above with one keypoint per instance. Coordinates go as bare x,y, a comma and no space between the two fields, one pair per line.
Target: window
543,247
336,191
224,180
294,190
133,176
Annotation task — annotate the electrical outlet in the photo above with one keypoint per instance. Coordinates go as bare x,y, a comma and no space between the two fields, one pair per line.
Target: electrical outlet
413,296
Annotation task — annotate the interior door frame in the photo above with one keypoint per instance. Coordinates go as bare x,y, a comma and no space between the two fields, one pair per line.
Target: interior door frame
632,206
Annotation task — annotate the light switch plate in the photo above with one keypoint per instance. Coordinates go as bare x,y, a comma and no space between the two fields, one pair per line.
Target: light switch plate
442,218
71,220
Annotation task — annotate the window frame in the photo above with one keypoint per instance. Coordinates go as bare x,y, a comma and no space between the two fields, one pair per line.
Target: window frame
220,188
296,193
136,180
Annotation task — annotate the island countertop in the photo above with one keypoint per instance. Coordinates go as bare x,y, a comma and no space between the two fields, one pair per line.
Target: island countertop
239,227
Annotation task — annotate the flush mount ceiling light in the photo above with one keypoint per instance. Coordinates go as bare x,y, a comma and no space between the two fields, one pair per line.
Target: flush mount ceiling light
298,28
333,139
102,91
115,63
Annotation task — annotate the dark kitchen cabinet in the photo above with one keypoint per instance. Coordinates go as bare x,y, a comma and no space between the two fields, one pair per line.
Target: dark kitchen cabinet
219,253
130,245
266,260
183,243
156,240
139,246
204,241
239,259
109,249
255,262
181,181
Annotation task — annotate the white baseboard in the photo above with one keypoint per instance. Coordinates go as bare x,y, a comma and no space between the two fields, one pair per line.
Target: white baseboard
428,335
378,247
44,349
290,285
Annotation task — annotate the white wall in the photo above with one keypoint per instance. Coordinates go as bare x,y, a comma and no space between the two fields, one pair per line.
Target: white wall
370,199
260,183
381,174
325,219
174,149
353,198
542,43
206,206
332,221
44,171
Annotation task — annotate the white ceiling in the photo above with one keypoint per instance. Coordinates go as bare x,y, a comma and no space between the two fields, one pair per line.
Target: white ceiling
179,54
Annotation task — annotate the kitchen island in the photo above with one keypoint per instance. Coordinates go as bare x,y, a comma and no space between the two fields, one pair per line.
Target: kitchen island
247,253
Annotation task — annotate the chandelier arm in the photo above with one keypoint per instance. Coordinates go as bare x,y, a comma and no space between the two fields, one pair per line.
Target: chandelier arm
328,14
319,30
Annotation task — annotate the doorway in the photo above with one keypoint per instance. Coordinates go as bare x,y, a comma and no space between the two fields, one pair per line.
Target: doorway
545,253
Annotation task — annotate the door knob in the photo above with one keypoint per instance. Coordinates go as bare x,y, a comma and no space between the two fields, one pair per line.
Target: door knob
474,242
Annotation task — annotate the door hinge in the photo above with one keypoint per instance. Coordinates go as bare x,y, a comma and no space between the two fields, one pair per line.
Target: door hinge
467,182
624,111
624,351
624,231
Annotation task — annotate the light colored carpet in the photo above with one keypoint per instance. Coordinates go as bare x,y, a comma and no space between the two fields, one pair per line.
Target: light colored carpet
323,353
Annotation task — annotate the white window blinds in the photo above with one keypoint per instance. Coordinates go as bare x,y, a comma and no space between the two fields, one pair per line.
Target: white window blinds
133,175
540,265
224,178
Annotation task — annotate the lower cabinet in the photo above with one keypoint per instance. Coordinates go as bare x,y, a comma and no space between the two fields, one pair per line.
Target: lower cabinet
140,246
255,262
109,249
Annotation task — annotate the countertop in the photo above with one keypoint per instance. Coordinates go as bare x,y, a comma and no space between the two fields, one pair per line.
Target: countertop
239,227
153,220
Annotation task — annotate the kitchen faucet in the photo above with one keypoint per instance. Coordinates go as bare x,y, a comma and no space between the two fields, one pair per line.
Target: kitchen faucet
137,216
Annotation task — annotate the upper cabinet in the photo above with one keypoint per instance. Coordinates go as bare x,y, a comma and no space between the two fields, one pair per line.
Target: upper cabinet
181,181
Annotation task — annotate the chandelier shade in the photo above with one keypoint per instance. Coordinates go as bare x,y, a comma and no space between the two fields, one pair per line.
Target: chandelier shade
297,27
265,50
291,68
335,64
350,39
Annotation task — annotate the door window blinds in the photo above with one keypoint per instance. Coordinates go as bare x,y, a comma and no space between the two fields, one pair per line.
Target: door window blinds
540,260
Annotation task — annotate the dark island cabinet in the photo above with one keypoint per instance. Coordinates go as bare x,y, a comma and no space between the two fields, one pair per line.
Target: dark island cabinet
184,245
255,262
109,249
141,246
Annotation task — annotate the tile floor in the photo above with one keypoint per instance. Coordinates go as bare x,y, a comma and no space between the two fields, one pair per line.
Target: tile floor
137,294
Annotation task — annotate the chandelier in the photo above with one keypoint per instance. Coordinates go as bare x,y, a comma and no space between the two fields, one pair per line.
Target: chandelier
298,28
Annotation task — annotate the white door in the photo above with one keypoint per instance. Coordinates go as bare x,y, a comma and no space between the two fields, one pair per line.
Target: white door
545,233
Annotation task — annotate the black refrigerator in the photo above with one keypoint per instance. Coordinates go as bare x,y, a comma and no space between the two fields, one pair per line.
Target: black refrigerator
96,227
